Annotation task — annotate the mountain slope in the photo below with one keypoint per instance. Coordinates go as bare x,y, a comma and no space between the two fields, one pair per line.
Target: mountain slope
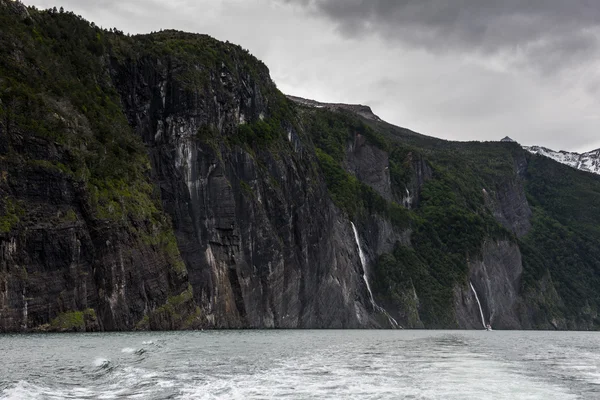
162,181
520,227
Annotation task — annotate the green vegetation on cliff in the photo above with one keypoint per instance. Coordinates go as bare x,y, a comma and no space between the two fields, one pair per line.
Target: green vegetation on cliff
54,86
73,320
565,237
331,133
451,220
55,89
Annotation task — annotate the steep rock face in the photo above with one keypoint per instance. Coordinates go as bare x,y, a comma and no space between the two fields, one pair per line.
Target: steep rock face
421,172
263,244
496,279
380,236
509,206
370,165
62,259
541,308
83,242
508,201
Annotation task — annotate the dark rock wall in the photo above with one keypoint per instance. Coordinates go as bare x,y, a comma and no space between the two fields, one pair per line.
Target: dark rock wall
63,259
263,244
496,279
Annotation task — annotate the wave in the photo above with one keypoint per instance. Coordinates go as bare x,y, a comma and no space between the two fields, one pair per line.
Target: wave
24,390
103,363
108,381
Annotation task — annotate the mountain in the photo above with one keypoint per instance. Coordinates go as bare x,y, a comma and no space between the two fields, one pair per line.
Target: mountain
162,181
589,162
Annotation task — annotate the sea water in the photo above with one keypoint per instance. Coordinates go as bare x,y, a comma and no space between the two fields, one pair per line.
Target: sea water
328,364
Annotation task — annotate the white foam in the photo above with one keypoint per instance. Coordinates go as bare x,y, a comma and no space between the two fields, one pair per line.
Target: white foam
354,365
359,375
101,362
24,390
128,350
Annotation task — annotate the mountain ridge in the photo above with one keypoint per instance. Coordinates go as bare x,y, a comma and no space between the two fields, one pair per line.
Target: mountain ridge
587,161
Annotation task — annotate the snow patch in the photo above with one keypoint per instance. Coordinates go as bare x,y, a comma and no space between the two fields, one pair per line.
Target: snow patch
589,161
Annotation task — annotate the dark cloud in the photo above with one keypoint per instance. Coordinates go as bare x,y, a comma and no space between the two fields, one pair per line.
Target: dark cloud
549,34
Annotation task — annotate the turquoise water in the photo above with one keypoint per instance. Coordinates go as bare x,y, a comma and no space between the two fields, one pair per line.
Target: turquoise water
302,365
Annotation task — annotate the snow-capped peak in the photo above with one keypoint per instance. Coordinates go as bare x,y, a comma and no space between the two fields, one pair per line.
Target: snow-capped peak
589,161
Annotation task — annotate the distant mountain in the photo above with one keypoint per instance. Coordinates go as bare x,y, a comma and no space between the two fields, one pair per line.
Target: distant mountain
589,161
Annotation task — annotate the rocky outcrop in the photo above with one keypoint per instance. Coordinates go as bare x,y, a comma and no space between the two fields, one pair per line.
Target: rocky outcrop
370,165
509,206
358,109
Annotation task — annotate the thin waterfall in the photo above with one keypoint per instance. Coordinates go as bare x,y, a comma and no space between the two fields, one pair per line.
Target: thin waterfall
407,201
24,324
479,304
363,262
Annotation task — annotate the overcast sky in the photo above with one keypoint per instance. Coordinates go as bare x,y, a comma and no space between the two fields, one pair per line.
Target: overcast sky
455,69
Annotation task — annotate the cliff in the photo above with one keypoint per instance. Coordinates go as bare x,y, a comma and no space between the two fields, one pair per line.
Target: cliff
162,181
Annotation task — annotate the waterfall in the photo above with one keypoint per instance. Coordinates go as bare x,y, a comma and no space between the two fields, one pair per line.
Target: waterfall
24,324
363,262
479,304
407,201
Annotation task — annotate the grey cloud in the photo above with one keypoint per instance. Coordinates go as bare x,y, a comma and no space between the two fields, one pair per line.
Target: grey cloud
551,34
132,9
